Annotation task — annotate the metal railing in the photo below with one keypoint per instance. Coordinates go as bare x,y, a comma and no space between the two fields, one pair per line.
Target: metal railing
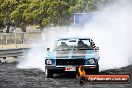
19,38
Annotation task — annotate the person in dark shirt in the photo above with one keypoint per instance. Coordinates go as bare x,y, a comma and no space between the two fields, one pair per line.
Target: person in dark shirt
63,45
81,44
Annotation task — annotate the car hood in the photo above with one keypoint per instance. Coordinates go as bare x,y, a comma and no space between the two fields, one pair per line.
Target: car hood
73,54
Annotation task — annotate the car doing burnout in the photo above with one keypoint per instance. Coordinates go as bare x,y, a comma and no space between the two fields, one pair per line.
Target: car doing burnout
69,53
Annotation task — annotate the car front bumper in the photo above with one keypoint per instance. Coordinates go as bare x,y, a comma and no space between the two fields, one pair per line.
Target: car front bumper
62,68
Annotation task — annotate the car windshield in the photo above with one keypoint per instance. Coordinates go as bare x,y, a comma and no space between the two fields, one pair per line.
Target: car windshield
68,44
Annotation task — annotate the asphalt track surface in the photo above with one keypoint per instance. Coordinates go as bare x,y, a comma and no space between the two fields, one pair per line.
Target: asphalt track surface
12,77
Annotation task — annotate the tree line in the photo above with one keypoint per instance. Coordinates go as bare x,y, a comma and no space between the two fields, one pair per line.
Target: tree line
21,13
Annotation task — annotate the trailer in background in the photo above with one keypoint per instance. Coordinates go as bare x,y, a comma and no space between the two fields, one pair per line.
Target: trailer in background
80,19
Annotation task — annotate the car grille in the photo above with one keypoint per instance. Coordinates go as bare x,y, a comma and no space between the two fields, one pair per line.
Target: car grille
69,61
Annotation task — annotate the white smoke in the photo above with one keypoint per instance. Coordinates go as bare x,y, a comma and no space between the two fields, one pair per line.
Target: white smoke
32,59
111,30
35,57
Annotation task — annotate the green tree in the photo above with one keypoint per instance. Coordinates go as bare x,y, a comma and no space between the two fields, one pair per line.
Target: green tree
6,8
43,12
88,5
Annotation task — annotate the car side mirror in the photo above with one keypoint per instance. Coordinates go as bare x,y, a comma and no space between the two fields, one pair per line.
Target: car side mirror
48,49
97,48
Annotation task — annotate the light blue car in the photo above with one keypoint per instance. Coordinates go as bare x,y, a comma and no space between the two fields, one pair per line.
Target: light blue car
69,53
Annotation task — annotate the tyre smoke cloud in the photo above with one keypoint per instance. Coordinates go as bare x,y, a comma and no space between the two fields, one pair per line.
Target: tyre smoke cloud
110,29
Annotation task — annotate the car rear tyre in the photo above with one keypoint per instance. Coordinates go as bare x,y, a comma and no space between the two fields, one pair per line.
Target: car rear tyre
49,73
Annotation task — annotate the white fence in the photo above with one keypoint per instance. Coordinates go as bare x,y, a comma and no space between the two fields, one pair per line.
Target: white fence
19,38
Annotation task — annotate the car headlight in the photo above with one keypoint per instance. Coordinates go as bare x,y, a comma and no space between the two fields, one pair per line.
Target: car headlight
48,62
91,61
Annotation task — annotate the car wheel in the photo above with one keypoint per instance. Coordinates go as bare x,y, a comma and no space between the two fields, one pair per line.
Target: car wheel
96,70
49,73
